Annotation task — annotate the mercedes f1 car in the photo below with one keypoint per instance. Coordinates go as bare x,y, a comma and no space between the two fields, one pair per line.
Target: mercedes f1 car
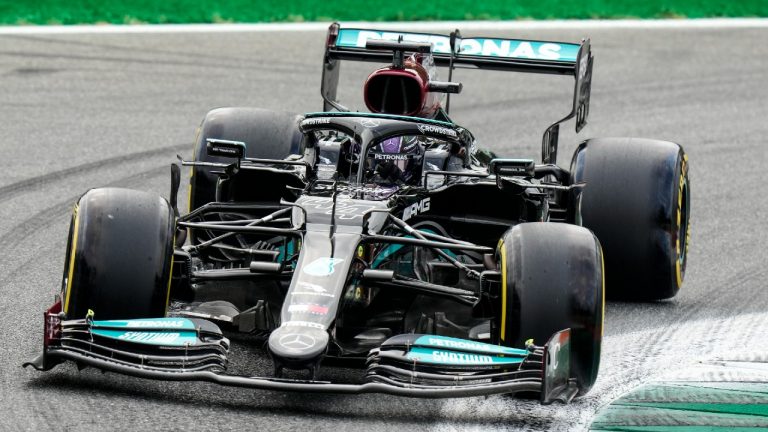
387,238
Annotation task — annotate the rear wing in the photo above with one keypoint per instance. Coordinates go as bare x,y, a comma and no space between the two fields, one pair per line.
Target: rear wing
453,51
486,53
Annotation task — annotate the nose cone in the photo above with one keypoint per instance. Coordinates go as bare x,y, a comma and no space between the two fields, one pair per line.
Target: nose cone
298,347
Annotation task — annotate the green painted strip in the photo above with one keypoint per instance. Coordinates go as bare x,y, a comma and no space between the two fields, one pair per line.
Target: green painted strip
747,409
615,415
678,429
688,406
698,393
752,387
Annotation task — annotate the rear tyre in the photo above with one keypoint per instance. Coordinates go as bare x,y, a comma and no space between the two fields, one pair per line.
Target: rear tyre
552,279
119,255
266,134
637,202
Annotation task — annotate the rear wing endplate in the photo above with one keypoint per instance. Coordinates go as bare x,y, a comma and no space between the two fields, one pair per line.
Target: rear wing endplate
453,51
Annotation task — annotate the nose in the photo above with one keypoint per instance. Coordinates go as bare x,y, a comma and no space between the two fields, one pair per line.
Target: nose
297,347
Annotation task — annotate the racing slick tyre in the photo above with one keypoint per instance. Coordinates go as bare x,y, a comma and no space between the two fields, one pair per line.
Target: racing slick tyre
552,279
119,256
266,134
637,202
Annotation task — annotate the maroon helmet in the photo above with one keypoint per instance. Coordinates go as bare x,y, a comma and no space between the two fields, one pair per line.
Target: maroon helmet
404,90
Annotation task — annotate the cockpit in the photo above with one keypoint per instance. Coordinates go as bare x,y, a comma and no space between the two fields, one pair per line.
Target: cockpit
398,160
395,160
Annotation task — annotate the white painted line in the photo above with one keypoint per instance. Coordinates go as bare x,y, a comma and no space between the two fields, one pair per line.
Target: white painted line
705,23
743,365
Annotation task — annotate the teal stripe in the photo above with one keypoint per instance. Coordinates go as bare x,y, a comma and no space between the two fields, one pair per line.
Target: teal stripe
386,253
376,115
470,47
457,358
285,251
391,249
161,338
138,324
456,344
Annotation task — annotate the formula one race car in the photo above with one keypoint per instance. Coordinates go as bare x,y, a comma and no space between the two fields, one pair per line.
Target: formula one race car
386,238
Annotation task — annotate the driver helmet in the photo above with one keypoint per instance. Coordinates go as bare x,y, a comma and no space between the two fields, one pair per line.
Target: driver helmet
397,160
404,90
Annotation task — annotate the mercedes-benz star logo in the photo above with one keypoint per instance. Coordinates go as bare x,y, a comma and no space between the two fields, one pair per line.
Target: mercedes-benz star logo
369,123
297,341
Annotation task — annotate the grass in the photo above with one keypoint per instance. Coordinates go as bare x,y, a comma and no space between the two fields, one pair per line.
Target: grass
218,11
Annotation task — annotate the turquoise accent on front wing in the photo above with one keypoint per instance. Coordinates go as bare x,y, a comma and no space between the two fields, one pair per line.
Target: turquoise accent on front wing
443,342
164,338
146,324
454,358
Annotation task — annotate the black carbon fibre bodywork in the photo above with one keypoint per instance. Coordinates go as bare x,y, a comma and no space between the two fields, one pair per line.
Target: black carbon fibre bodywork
384,241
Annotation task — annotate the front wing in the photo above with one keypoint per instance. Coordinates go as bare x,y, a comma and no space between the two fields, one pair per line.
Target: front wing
424,366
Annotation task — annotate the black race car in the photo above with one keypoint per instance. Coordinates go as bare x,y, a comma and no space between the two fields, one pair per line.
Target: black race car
387,238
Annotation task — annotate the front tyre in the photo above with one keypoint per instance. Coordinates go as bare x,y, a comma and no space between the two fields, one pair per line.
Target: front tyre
552,279
119,255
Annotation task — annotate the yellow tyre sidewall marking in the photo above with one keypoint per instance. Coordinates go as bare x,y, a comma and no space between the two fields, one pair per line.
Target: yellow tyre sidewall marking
681,186
170,271
602,291
72,253
503,290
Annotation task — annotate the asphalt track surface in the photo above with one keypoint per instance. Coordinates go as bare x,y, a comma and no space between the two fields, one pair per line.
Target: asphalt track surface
80,111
